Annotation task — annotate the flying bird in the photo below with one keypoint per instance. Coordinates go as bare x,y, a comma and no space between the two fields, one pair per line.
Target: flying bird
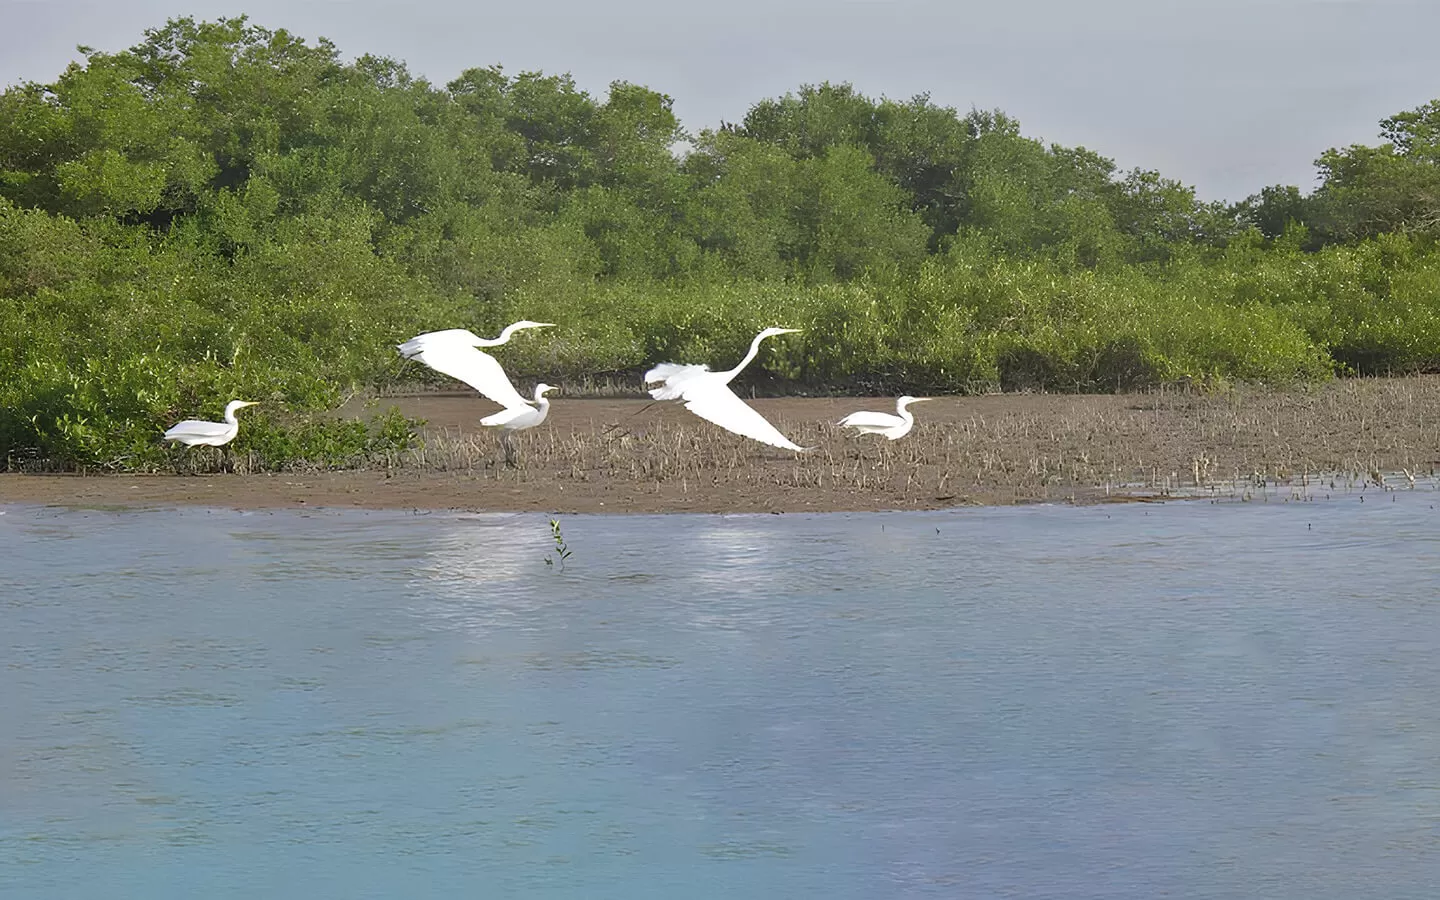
707,394
455,352
518,418
893,427
213,434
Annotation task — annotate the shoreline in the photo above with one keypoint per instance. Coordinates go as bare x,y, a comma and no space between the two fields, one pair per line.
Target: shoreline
633,456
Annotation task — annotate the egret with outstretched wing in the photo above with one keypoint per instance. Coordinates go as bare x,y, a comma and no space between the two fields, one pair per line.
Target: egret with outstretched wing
707,394
893,427
455,352
192,432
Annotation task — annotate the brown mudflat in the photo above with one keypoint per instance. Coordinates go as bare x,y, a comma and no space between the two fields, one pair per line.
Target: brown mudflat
633,456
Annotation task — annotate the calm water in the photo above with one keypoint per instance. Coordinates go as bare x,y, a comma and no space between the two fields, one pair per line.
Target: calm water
1190,700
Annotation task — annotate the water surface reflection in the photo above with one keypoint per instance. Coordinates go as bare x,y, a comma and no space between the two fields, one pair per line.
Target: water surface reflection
1118,702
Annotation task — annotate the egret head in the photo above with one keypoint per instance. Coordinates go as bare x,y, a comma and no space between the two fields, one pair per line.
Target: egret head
526,323
907,400
771,332
542,387
239,404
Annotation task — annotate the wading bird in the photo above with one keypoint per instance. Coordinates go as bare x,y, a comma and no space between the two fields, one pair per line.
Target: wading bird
455,352
893,427
707,394
213,434
518,418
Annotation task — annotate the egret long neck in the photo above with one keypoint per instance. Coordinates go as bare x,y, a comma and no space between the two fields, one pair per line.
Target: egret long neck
754,350
503,338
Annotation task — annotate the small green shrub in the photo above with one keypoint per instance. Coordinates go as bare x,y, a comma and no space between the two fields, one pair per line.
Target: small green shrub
271,444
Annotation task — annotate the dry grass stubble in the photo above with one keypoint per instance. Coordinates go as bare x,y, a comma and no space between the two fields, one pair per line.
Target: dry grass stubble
597,455
999,448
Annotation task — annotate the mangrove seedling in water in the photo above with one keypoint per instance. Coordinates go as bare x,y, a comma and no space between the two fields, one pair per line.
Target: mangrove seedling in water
561,552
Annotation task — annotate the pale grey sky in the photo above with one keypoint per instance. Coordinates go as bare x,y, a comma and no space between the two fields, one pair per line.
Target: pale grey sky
1225,95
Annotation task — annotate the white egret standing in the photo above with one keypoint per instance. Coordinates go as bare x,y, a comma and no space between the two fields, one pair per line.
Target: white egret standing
213,434
518,418
707,394
455,352
893,427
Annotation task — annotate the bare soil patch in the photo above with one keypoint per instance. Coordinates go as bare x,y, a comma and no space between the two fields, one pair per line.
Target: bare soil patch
597,455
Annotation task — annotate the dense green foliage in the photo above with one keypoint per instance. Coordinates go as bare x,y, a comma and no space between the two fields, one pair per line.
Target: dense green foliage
227,211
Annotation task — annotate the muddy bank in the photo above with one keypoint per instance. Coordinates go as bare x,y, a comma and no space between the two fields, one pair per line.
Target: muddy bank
633,456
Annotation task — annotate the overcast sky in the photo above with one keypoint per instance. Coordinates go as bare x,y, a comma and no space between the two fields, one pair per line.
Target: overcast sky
1225,95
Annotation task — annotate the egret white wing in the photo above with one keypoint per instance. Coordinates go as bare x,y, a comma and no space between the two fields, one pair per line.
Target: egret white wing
458,336
667,371
714,401
674,375
474,367
511,415
871,420
192,429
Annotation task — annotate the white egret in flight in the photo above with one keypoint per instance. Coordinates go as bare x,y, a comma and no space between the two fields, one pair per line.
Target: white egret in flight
455,352
214,434
893,427
518,418
707,394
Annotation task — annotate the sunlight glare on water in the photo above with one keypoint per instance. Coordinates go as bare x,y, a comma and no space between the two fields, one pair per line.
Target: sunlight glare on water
1185,699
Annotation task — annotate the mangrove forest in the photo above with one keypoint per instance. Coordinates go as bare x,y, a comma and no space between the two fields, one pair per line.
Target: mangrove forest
226,210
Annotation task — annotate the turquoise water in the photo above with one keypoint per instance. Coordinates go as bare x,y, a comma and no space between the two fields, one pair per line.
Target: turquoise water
1186,699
